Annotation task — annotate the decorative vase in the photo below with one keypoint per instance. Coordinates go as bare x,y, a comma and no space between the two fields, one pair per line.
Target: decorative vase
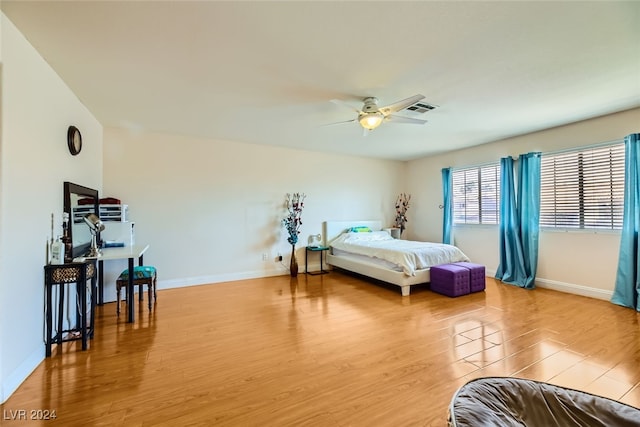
293,266
395,232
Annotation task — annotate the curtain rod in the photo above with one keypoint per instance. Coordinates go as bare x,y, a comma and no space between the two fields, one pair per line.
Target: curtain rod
477,165
584,147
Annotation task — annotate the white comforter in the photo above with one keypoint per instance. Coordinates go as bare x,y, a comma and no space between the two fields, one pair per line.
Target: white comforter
409,255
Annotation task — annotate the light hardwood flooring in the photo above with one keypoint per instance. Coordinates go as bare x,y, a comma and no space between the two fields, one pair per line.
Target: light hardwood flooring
329,350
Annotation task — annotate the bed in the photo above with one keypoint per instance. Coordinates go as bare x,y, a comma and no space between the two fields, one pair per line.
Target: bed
400,262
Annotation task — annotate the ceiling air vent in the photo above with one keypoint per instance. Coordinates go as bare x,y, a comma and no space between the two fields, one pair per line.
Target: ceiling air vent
420,108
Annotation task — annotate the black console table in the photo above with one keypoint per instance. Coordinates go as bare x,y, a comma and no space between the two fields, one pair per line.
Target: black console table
63,275
316,249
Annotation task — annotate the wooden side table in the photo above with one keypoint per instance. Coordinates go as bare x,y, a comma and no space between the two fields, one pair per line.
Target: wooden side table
63,275
320,250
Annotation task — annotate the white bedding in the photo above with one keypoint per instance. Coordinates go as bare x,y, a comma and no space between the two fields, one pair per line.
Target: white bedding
407,254
369,260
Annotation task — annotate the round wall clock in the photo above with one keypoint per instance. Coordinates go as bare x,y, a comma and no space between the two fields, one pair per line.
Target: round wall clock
74,140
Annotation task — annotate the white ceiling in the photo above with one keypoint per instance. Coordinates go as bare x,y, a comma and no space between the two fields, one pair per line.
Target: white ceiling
265,72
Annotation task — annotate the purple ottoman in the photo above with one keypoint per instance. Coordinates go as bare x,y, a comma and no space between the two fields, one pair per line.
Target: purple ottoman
449,279
476,275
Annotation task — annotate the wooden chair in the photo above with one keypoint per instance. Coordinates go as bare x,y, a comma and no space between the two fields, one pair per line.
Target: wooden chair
142,275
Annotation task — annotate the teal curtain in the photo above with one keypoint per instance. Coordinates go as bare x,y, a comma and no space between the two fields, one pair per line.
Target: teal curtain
627,287
519,221
447,215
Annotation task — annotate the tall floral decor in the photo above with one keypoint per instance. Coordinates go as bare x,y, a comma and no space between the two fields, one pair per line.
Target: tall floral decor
292,222
402,205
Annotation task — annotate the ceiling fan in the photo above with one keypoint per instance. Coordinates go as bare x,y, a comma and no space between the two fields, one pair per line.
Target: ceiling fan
371,116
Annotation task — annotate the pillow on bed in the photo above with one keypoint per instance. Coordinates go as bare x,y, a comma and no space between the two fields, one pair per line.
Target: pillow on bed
368,237
359,229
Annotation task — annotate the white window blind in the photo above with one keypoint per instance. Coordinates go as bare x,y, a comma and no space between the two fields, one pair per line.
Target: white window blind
476,195
583,189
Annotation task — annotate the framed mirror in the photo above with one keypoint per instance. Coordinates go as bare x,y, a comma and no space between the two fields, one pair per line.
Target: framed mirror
79,201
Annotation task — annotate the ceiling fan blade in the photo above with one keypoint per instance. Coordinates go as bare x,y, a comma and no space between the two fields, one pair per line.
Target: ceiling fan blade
400,105
401,119
339,123
344,104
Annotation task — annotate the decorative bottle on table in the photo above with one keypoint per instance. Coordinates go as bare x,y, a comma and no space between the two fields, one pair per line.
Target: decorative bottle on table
57,252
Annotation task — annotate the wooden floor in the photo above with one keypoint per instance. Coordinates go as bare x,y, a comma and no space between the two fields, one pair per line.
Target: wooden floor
331,350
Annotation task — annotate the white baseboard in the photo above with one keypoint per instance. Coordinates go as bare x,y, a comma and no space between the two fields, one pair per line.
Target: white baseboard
218,278
569,288
555,285
281,270
573,288
17,377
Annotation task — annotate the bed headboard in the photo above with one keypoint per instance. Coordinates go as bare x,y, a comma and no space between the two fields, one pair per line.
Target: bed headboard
332,229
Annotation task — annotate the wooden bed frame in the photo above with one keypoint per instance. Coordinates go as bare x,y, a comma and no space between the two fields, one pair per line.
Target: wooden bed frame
332,229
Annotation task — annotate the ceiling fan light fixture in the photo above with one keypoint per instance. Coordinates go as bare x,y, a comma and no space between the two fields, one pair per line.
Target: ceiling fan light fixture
371,116
371,121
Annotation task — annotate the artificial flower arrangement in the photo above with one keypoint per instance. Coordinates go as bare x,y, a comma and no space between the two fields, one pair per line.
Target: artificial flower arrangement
402,205
293,221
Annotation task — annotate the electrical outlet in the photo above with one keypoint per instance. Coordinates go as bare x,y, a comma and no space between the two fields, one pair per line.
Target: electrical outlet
265,256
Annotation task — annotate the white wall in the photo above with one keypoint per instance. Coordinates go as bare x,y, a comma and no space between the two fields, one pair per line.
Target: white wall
581,262
37,108
210,209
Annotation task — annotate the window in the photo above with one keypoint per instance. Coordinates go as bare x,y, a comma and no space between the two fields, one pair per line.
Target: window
476,195
583,189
